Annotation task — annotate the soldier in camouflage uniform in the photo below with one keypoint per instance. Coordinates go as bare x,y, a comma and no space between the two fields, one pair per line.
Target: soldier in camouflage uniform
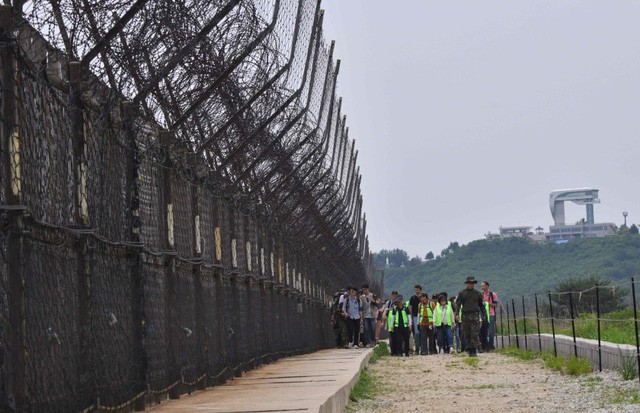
470,302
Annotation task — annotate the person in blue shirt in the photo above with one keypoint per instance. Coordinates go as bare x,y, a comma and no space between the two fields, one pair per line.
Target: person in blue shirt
352,312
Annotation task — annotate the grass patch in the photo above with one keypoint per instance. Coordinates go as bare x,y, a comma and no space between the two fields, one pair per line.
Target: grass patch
551,361
451,364
628,366
528,355
594,379
471,361
577,366
554,363
509,351
624,396
574,366
365,388
519,353
381,350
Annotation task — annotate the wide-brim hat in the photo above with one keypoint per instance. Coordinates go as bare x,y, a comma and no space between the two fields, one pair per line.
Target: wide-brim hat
471,280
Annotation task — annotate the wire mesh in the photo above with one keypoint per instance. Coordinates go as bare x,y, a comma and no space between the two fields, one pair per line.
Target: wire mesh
164,196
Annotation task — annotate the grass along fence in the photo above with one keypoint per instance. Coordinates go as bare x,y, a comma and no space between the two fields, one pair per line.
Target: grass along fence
599,324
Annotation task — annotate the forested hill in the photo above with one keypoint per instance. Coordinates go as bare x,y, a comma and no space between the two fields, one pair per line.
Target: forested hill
515,266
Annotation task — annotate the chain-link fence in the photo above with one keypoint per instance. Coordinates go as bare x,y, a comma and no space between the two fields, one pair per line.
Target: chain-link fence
180,197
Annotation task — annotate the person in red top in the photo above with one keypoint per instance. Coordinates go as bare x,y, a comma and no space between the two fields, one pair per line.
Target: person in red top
487,338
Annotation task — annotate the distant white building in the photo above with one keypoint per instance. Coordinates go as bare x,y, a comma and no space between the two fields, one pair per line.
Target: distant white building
509,232
567,232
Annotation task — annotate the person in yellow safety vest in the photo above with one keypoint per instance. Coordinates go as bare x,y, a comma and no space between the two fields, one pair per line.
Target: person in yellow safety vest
386,317
484,329
443,321
401,325
425,317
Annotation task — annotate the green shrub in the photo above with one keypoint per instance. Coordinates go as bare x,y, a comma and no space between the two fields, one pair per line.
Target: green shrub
554,362
577,366
628,366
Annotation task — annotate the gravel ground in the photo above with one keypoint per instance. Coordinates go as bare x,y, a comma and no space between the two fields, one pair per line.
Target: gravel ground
445,383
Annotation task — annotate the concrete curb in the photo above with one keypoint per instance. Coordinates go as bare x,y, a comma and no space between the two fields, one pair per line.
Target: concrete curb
611,353
338,401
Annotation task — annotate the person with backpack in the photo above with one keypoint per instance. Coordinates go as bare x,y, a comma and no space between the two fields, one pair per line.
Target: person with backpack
386,318
491,299
367,303
352,312
338,322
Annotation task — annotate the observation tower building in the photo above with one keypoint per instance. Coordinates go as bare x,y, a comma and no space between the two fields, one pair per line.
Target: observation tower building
561,232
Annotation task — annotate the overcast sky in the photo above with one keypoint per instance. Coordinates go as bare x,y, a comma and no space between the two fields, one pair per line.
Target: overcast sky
467,114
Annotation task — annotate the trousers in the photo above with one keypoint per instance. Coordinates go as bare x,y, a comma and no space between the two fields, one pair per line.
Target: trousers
471,330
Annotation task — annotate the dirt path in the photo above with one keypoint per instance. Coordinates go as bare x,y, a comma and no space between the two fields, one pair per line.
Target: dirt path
445,383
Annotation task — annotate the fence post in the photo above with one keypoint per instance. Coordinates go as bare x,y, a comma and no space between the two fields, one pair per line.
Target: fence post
598,318
635,322
573,324
508,326
535,296
553,327
86,370
501,327
515,322
168,246
14,337
524,323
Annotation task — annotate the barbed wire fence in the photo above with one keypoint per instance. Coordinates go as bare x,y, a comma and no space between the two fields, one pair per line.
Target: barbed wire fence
179,196
599,323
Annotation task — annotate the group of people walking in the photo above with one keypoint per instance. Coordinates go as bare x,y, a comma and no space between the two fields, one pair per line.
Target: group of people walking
439,324
356,318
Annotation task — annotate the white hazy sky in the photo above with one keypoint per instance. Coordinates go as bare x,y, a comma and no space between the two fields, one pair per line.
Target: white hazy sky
467,114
